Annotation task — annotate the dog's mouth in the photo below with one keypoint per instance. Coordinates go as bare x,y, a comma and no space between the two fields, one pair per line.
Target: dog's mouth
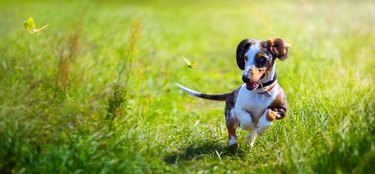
253,85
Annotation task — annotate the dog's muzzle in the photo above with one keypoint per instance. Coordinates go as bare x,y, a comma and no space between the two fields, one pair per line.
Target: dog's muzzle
245,79
253,85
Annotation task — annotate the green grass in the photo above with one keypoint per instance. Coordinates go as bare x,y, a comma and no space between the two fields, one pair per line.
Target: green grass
95,92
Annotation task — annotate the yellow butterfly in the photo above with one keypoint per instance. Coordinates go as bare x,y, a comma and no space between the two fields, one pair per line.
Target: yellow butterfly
30,26
189,63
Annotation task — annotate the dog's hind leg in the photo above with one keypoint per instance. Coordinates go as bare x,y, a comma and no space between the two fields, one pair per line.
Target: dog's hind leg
232,126
231,120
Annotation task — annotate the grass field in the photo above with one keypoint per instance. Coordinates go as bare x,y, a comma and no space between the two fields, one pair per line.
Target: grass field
95,91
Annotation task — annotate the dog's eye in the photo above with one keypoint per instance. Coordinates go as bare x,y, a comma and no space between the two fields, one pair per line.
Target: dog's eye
262,60
246,58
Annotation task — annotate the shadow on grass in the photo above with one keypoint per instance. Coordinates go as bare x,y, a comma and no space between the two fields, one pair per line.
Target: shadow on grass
210,149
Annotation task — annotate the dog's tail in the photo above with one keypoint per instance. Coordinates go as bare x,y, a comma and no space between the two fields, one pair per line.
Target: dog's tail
218,97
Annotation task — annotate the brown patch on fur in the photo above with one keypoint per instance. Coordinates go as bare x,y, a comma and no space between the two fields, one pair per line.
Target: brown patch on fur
262,67
271,116
278,46
269,42
277,101
231,129
230,121
269,68
279,106
256,74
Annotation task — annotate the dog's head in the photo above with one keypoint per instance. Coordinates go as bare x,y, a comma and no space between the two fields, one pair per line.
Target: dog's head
257,58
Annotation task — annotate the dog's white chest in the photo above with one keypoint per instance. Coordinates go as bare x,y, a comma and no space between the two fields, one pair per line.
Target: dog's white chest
253,102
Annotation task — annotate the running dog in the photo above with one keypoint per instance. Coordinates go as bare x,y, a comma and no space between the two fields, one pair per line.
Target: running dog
260,100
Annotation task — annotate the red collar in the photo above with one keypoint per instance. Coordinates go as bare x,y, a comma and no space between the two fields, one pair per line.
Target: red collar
267,91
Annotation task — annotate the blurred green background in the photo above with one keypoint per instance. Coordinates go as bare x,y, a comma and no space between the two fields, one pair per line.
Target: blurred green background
95,91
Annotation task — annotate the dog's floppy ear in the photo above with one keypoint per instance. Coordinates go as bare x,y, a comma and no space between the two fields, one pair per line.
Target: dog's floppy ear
278,47
242,48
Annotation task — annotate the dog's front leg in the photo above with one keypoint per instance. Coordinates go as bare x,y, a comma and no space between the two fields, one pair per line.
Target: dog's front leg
251,137
243,118
265,120
271,114
276,111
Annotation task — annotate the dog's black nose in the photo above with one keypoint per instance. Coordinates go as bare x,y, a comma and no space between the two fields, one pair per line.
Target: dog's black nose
245,79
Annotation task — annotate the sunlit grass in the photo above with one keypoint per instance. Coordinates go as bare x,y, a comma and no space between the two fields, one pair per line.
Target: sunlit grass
56,87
